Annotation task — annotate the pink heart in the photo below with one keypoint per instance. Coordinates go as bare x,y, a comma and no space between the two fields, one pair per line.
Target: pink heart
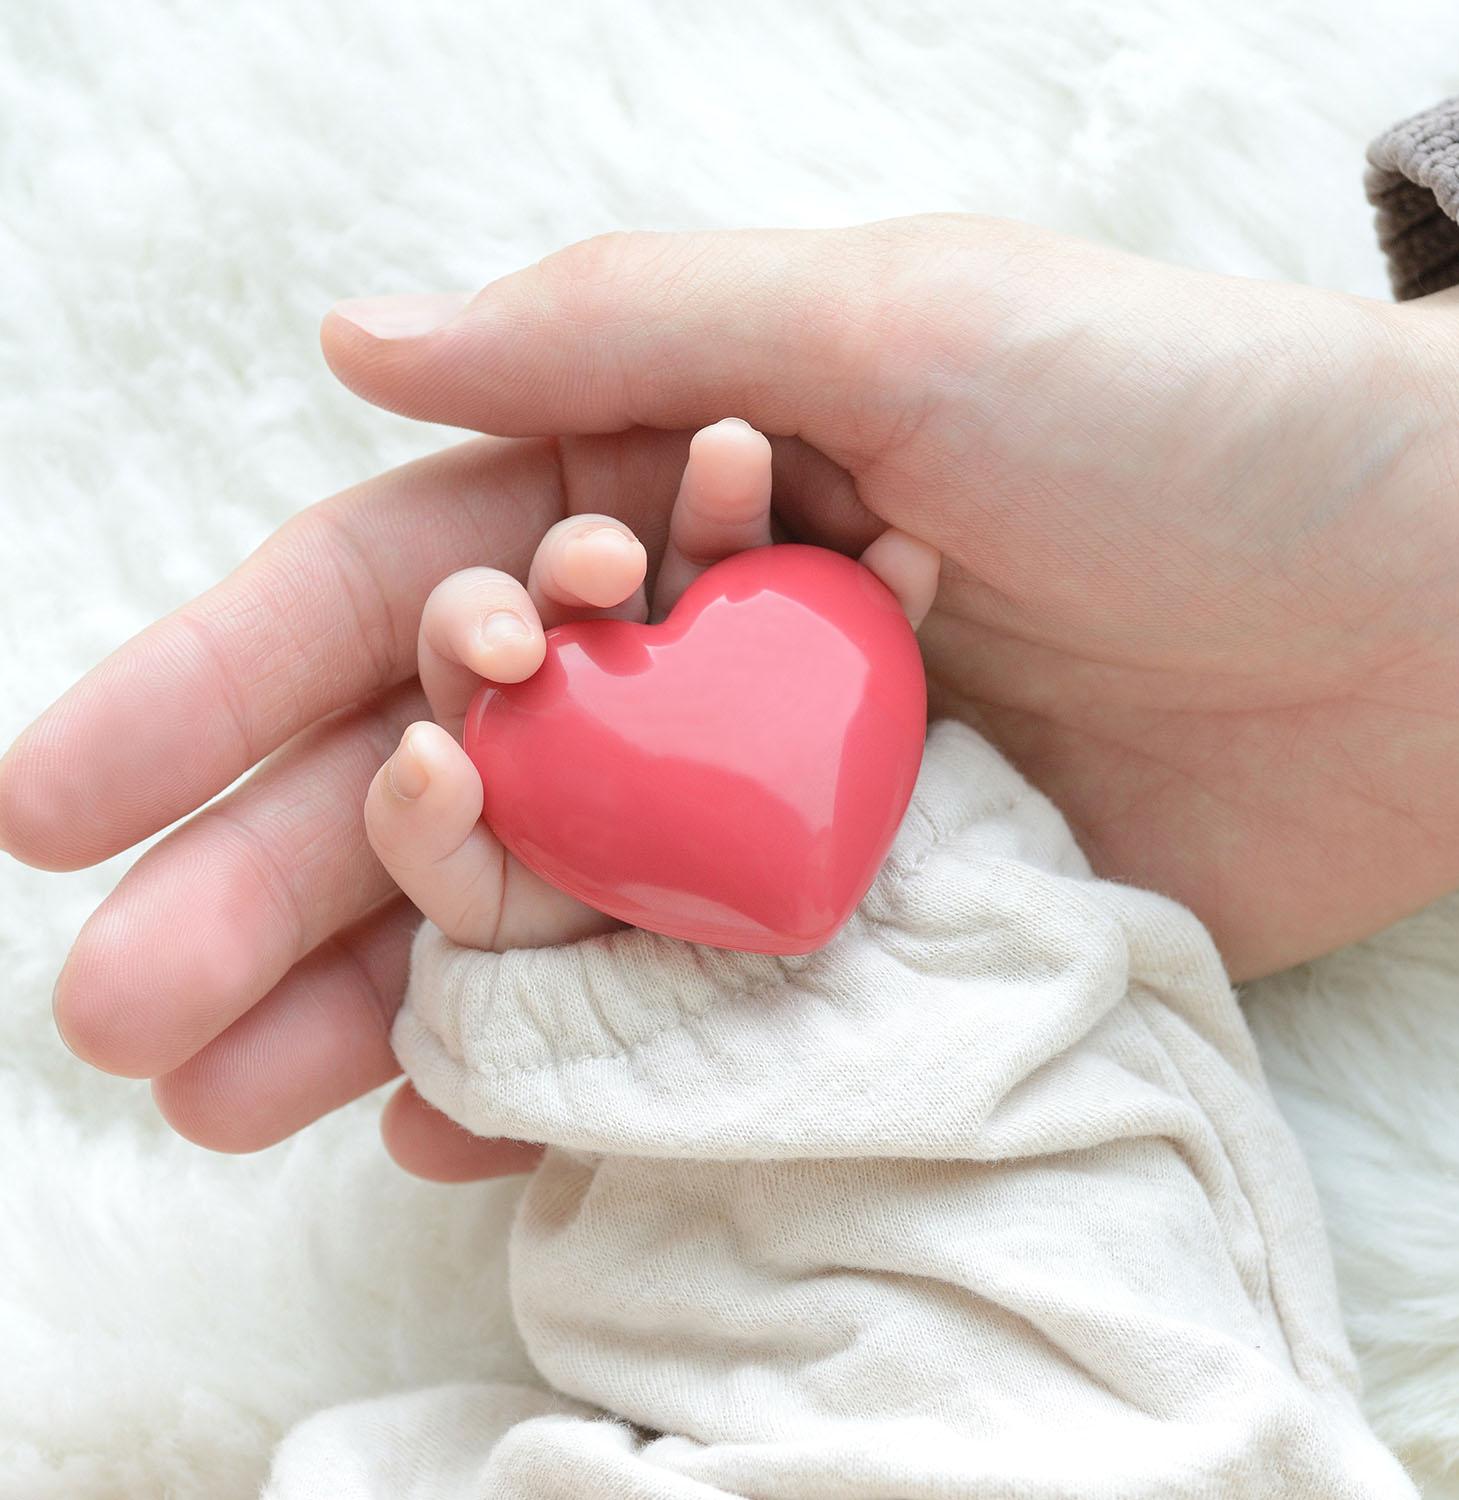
734,775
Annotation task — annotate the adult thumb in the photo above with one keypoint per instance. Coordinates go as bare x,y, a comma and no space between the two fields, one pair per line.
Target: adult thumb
659,330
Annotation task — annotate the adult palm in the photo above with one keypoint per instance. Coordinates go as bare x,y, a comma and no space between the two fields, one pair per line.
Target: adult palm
1199,537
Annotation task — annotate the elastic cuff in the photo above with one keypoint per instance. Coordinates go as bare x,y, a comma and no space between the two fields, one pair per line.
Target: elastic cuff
984,930
533,1008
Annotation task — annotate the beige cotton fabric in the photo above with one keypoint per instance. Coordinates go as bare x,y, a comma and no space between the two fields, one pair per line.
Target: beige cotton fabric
988,1198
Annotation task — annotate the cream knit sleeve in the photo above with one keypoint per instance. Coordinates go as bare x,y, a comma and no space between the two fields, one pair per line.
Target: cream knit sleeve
986,1198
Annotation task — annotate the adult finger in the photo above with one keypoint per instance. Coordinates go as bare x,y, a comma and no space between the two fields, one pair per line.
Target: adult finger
792,329
318,1039
322,615
432,1145
214,915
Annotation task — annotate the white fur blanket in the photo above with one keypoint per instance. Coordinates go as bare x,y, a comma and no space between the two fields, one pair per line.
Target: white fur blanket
182,191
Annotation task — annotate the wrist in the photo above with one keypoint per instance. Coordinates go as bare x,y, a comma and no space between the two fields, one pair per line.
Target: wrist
1413,683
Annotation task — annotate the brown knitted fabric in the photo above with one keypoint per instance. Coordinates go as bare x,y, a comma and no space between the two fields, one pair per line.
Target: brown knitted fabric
1413,182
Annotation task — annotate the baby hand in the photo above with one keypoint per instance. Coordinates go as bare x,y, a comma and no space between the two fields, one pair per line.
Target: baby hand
423,809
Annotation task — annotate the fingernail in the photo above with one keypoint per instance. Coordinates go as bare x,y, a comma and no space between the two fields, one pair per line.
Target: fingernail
403,317
502,626
615,540
406,772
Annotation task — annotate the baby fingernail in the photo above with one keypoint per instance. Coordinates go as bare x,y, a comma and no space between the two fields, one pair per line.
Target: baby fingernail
502,626
607,543
404,317
613,541
406,772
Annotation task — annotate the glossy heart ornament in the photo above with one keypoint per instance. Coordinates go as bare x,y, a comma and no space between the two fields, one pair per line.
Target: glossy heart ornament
733,775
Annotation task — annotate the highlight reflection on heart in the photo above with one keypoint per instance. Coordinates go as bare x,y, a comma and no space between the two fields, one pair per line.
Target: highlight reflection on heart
733,775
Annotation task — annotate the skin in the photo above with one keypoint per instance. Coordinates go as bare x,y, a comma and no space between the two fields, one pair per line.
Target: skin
1199,540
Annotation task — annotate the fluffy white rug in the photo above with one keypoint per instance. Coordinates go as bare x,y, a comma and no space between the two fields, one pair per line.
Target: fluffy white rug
183,190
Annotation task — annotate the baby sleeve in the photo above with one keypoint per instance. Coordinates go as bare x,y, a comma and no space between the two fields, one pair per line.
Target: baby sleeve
1413,182
987,1198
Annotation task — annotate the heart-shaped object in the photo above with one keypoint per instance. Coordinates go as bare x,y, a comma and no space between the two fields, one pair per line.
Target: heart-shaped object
733,775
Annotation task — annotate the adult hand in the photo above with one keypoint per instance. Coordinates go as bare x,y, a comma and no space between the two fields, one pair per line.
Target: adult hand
1200,537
